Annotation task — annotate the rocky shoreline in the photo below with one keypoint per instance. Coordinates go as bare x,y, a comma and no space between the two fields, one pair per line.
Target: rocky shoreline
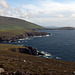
27,50
25,35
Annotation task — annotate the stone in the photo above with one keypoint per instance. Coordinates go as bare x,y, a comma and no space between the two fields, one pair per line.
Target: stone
2,70
73,72
24,60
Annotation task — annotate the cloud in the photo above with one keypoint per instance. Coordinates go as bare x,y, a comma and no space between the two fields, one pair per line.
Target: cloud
47,22
4,4
43,12
49,7
72,16
5,8
2,12
59,16
50,13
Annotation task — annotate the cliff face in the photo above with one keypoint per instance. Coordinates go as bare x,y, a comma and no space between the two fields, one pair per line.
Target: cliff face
21,36
25,50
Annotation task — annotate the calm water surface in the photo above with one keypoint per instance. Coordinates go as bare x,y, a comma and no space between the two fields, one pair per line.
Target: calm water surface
61,45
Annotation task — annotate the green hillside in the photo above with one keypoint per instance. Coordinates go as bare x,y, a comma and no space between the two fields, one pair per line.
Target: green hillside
13,28
14,23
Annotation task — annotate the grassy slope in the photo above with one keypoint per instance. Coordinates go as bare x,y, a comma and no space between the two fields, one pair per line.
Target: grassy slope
7,46
11,61
11,27
14,23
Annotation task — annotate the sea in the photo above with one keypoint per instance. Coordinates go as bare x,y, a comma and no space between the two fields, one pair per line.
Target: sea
59,45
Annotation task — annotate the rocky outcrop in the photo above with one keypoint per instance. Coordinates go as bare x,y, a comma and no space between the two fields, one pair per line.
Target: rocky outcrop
27,50
25,35
1,70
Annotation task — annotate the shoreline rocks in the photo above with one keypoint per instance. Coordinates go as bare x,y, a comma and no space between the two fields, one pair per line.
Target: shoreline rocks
30,34
1,70
27,50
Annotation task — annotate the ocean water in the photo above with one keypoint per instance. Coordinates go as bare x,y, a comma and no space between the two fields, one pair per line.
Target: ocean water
60,45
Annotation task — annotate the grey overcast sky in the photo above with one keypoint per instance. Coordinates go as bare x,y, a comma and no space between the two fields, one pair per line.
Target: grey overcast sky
46,13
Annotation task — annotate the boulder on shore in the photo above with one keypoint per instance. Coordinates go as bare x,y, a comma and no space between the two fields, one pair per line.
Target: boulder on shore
1,70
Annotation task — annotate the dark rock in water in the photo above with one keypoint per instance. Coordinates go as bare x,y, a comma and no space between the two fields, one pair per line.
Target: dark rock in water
39,53
32,50
28,50
1,70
